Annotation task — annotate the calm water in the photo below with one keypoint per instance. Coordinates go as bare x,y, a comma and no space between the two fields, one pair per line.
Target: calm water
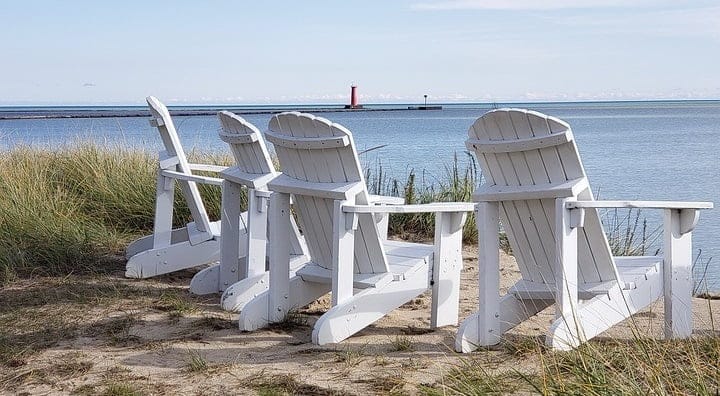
639,150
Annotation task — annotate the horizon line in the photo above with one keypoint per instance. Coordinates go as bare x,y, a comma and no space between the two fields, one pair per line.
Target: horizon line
310,104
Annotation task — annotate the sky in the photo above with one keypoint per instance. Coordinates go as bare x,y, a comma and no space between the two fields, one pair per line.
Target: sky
255,52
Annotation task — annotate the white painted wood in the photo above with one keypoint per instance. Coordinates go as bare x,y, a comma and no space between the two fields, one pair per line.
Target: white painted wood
343,243
279,303
192,178
207,168
325,190
385,200
234,138
566,277
159,261
254,316
533,143
230,270
436,207
237,295
446,269
368,276
171,141
640,204
549,213
251,180
316,273
366,307
511,312
168,250
511,193
241,273
677,280
164,198
486,326
307,143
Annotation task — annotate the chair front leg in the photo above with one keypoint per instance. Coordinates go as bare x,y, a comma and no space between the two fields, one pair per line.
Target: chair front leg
566,276
677,271
487,221
257,231
279,294
343,246
446,268
230,271
164,197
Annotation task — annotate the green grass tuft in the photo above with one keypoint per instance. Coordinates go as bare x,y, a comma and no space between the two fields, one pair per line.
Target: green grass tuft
64,211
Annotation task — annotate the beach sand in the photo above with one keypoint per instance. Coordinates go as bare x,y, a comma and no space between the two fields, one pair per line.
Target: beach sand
152,336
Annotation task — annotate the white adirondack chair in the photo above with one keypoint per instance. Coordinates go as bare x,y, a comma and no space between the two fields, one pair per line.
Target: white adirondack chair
241,273
368,275
536,186
168,250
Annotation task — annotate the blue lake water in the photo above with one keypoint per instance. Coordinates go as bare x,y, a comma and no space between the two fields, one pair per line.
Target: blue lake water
630,150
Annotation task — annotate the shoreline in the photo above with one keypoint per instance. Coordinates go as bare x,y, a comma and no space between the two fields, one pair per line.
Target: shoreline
70,114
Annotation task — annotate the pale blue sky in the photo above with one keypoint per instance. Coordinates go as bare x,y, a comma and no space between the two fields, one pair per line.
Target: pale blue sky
199,52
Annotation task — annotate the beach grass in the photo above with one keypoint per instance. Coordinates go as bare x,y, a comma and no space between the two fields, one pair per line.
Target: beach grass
639,366
74,209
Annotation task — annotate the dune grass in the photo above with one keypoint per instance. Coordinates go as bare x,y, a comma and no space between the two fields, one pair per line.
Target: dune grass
641,366
69,210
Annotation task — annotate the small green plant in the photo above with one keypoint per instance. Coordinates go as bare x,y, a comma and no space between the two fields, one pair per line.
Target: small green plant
196,362
117,389
350,357
213,323
292,320
285,384
402,344
175,305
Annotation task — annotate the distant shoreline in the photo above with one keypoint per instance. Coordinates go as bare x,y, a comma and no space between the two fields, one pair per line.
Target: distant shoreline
51,114
25,112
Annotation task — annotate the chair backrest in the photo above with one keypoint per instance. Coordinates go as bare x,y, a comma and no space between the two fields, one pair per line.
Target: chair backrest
520,148
175,153
246,143
315,151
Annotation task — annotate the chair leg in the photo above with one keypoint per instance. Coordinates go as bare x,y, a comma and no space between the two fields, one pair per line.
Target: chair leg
569,332
677,273
254,315
483,328
164,198
237,295
446,269
366,307
511,312
177,257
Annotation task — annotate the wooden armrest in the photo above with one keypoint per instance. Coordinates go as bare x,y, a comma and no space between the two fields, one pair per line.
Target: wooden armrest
385,200
639,204
421,208
207,167
570,188
252,180
193,178
285,184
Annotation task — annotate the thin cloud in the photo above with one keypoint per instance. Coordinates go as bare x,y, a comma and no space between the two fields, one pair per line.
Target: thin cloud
697,22
531,4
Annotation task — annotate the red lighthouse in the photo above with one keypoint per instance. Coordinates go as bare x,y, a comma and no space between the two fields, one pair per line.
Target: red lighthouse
353,98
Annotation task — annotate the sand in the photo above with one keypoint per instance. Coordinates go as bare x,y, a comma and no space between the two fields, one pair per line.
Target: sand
142,344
